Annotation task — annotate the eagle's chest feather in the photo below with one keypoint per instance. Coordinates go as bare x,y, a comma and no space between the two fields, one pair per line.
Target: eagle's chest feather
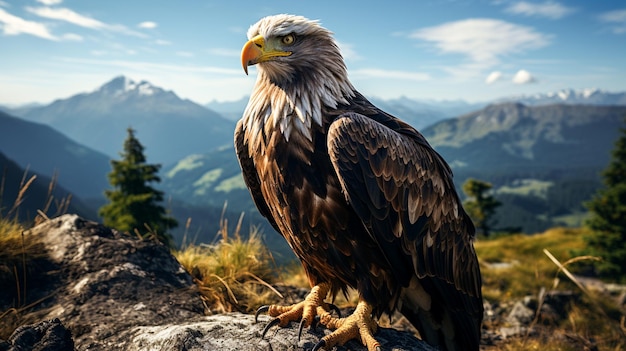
303,192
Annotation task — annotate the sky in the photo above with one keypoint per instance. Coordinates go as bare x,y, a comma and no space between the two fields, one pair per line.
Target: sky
429,49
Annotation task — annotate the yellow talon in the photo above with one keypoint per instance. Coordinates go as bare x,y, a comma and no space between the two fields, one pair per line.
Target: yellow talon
359,325
305,310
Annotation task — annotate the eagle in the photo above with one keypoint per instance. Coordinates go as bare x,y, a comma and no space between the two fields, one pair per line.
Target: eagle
359,195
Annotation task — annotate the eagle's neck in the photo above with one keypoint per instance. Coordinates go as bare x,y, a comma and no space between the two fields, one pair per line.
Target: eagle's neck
297,106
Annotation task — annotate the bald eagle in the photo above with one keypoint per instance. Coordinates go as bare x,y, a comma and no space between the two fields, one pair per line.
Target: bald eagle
359,195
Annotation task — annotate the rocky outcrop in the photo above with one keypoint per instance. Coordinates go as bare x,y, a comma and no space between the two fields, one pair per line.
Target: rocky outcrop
107,291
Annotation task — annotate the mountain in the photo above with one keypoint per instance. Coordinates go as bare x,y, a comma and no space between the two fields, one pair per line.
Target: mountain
571,97
44,150
36,196
544,161
518,139
232,110
422,113
169,127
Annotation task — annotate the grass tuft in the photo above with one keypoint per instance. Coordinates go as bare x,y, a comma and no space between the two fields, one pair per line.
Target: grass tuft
17,263
234,274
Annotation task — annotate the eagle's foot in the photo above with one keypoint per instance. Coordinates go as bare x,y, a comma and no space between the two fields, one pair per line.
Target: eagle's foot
305,311
359,325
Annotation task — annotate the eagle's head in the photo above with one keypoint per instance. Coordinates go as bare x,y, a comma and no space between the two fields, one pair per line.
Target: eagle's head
295,51
301,73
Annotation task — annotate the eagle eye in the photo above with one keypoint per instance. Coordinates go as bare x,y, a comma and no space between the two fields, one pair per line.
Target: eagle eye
288,39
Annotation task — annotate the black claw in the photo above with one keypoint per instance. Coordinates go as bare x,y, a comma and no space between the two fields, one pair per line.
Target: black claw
259,311
319,345
272,323
335,308
300,327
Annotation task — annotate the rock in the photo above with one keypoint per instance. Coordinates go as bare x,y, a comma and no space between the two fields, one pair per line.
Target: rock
520,314
236,331
115,292
112,282
47,335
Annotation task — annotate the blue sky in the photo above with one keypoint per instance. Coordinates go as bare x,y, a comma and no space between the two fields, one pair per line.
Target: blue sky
432,49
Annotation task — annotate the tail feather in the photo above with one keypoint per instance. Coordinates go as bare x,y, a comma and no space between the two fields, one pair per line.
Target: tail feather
445,317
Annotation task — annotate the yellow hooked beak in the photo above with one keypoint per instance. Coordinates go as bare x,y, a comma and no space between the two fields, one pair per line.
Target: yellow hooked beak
257,50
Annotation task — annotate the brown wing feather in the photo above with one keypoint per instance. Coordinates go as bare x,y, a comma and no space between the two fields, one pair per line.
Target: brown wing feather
403,192
398,174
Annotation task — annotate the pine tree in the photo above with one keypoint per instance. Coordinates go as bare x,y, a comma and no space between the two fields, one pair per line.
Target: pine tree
608,217
480,206
133,203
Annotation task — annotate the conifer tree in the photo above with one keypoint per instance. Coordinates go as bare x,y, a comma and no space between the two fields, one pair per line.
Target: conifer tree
480,206
608,217
134,205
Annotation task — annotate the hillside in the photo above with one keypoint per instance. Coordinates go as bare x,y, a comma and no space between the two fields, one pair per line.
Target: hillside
169,127
544,161
208,179
201,185
518,139
35,197
44,150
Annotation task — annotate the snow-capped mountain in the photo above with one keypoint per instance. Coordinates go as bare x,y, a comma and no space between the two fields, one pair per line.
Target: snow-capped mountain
169,127
589,96
124,86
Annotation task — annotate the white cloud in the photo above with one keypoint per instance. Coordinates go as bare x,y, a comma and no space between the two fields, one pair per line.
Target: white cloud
548,9
493,77
13,25
67,15
523,77
70,16
72,37
50,2
616,18
482,40
389,74
348,52
147,25
162,42
184,54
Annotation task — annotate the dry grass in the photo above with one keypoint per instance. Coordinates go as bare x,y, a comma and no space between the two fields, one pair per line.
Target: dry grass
542,261
233,274
20,258
515,266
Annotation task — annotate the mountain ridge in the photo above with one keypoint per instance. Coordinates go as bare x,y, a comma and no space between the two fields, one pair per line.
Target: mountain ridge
36,196
587,96
168,126
47,151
